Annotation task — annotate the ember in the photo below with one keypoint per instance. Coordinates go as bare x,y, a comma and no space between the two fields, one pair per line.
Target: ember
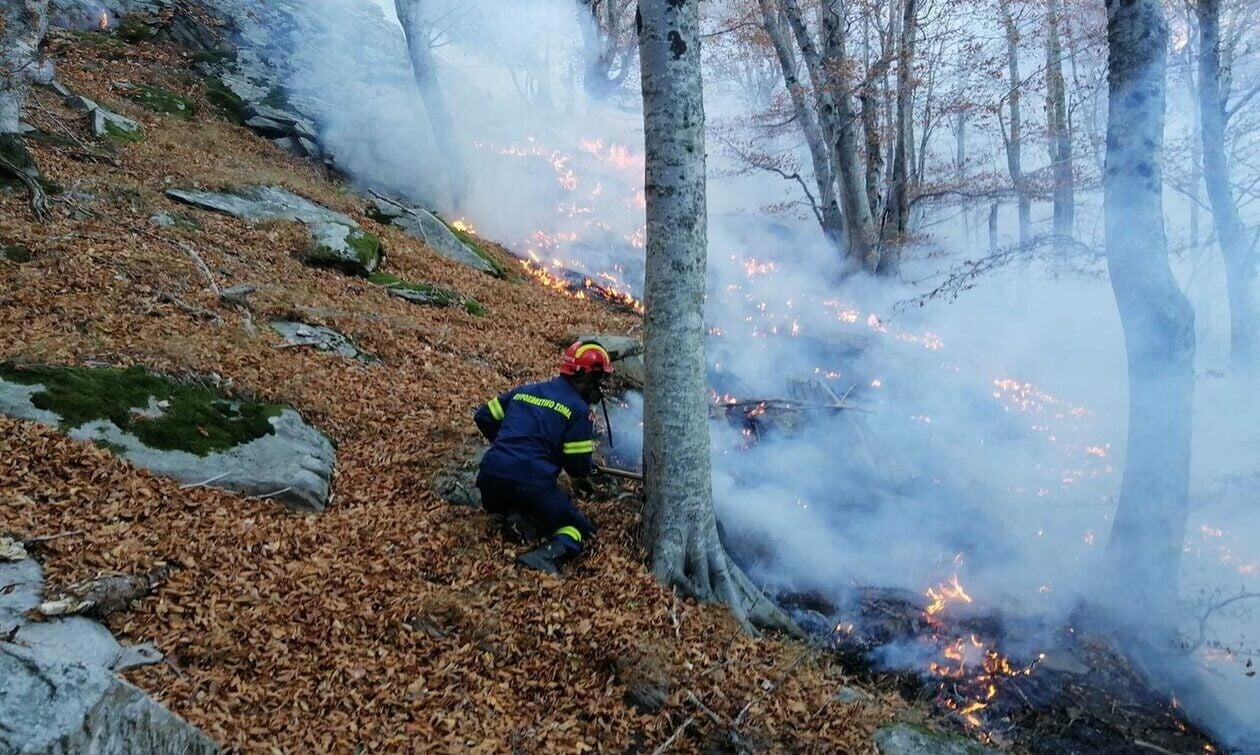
103,23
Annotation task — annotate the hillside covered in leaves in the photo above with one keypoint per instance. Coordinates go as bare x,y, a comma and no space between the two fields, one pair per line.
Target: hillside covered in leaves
392,621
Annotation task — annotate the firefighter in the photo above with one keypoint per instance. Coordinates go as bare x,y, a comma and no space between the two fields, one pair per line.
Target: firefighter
535,431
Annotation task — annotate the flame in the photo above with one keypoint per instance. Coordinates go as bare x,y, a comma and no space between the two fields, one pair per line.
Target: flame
943,594
463,226
103,23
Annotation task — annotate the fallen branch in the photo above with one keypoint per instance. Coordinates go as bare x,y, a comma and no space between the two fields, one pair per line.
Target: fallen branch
192,309
102,596
672,737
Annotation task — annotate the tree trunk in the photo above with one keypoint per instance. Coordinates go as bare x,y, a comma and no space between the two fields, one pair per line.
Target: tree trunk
679,524
870,126
899,199
420,48
22,27
1146,539
1014,135
853,194
1060,137
831,218
607,62
1240,259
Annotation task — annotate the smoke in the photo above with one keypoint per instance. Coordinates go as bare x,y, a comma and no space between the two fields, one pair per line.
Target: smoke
982,438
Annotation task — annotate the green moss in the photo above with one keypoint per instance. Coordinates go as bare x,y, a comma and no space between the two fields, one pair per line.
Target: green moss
160,100
366,247
15,253
114,448
225,101
136,27
500,271
435,295
213,57
119,134
193,418
96,38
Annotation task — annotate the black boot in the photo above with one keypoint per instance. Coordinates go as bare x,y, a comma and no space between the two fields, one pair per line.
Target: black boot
549,558
520,529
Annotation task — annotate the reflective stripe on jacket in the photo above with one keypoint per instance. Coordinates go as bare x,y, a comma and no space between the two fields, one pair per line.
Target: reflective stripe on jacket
537,430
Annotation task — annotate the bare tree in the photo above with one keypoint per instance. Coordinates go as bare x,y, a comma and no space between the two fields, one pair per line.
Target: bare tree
425,25
22,28
1060,136
1013,132
679,524
829,216
1240,257
608,45
899,194
1145,545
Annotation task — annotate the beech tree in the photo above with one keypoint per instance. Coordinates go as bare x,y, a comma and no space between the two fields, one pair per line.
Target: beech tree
424,25
1146,539
1239,254
608,45
22,28
679,523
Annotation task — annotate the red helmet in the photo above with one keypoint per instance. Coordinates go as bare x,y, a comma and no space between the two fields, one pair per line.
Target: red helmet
590,357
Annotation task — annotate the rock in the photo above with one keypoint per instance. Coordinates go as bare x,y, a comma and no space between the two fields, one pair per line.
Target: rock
456,481
435,234
72,639
52,706
321,338
426,293
181,430
347,248
15,253
262,203
79,102
904,739
851,695
646,697
161,100
108,125
267,127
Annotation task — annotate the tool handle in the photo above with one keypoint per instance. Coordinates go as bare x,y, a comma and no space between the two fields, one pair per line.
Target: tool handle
622,473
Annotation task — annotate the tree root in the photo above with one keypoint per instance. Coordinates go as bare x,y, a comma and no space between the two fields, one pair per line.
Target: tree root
16,160
701,569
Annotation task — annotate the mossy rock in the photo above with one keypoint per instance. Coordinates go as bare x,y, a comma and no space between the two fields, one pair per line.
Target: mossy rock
163,413
117,133
15,253
907,739
352,250
224,100
473,243
427,293
137,27
161,100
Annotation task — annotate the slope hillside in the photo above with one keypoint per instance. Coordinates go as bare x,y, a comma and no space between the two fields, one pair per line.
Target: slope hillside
392,621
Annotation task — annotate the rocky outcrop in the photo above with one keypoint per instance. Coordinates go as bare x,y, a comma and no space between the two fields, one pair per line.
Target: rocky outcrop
424,225
427,294
336,239
52,706
321,338
182,430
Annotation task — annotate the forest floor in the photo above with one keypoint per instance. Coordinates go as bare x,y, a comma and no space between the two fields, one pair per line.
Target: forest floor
393,621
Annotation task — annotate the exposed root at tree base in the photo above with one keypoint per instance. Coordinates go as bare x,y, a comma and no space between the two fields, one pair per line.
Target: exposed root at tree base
16,161
702,570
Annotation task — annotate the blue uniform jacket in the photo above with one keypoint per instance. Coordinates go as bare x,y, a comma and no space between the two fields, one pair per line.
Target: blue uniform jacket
537,430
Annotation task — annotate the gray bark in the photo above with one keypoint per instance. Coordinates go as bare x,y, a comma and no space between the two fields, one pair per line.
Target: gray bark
411,14
1014,134
853,192
1240,259
1145,545
899,199
1060,136
831,218
679,524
